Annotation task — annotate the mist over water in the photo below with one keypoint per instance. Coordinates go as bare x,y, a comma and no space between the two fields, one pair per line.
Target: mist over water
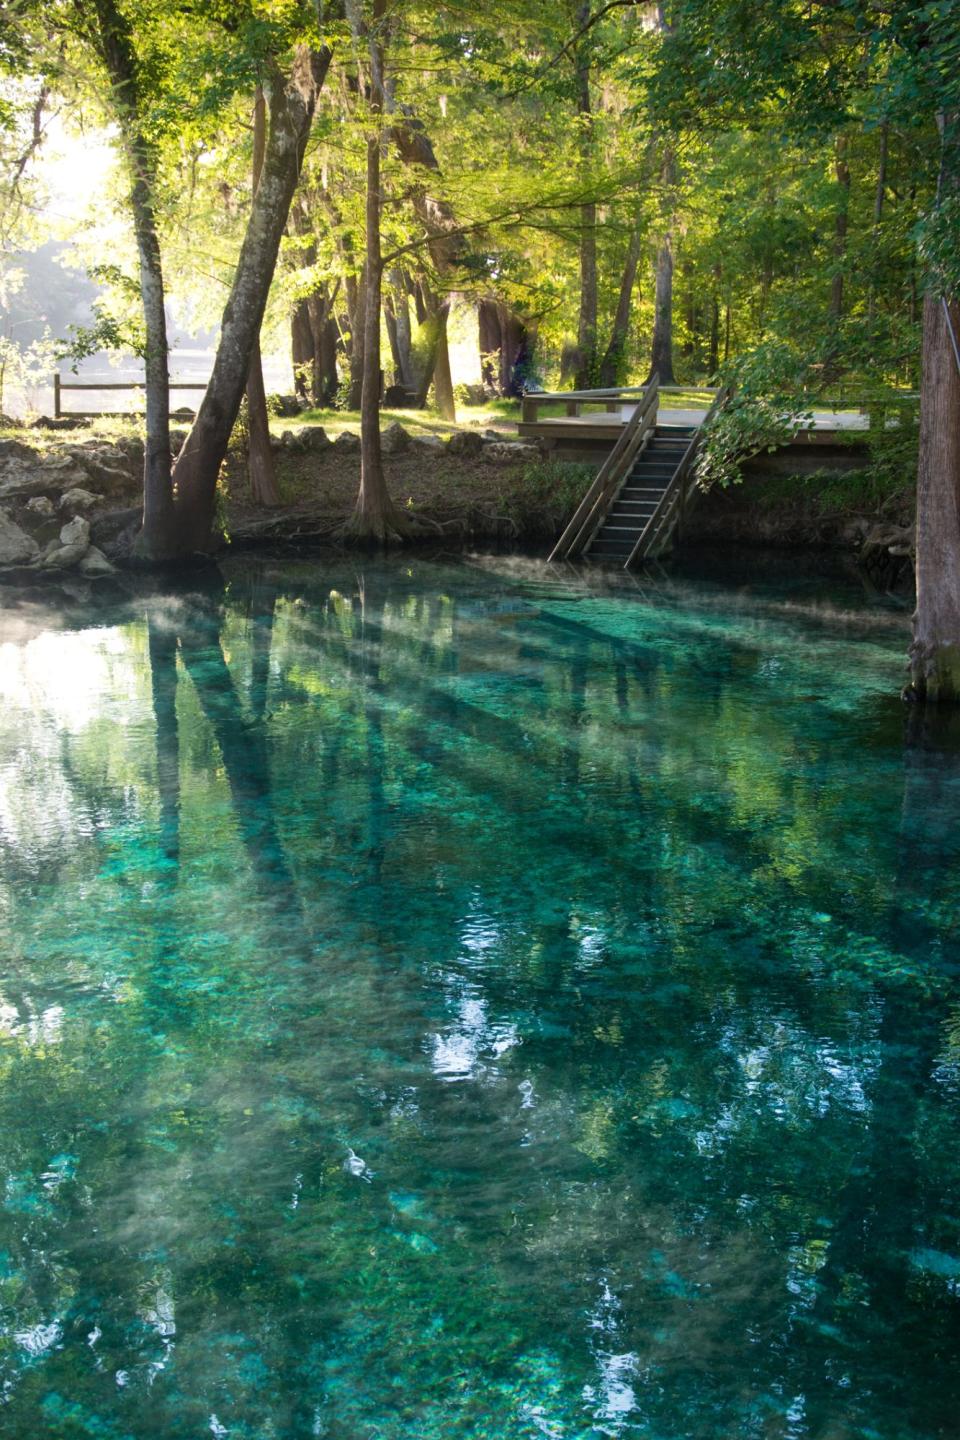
466,1000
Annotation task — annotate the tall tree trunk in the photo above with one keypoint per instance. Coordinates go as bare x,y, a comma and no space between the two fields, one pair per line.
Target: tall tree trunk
935,652
842,174
114,40
613,364
488,342
401,315
374,517
587,317
260,466
292,102
442,377
715,322
302,352
661,351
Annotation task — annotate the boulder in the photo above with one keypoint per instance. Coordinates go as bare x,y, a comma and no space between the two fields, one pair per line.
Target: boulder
76,532
427,442
77,500
41,506
63,556
394,440
347,442
59,422
16,450
16,546
285,407
509,452
465,442
104,467
95,563
307,439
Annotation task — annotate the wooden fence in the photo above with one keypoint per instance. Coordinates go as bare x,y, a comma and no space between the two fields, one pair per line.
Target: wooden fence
60,386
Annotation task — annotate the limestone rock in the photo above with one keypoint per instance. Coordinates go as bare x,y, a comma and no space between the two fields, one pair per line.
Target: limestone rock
285,407
16,450
16,546
347,442
60,422
95,563
41,506
394,440
307,439
428,442
465,442
77,500
509,452
63,556
76,532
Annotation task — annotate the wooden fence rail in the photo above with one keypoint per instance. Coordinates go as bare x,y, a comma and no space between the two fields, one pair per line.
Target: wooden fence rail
59,386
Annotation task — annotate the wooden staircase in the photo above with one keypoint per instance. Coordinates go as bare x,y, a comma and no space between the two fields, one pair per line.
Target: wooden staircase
641,492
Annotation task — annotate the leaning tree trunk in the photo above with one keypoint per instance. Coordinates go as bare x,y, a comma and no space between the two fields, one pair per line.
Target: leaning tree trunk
198,466
260,466
116,46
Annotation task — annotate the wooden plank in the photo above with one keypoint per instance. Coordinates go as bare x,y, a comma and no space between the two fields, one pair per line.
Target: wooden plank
125,385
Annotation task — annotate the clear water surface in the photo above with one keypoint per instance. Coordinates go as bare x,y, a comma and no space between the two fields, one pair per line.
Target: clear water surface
463,1001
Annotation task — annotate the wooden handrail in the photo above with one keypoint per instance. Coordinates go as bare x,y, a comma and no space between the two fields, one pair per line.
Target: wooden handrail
574,399
576,535
675,492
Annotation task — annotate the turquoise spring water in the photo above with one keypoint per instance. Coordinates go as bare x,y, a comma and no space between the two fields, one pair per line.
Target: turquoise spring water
459,1001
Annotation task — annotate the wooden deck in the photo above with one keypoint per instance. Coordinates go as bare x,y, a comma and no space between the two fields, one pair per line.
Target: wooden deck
593,421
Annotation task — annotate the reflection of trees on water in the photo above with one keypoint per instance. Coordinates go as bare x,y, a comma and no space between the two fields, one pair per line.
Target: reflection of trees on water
526,1039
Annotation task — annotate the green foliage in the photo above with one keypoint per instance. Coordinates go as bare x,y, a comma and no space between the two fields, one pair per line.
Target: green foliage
545,493
769,401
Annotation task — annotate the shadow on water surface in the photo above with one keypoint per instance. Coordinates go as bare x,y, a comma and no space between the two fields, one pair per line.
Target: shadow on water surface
480,1003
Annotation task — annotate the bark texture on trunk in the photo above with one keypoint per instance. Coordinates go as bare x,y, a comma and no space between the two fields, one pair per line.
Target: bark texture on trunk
260,466
292,101
935,652
115,43
506,341
442,376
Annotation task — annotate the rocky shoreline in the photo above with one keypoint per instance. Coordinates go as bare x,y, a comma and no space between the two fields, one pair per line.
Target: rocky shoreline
69,503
